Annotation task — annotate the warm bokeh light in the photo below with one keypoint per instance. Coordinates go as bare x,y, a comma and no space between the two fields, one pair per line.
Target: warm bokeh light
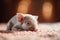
23,6
47,11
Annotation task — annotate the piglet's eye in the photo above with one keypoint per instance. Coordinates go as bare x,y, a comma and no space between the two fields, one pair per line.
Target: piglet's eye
28,23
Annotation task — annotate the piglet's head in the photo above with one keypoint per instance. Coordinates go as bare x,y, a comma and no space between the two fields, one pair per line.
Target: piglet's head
20,17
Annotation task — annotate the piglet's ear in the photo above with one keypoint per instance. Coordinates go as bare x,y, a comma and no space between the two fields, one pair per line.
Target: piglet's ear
36,17
19,17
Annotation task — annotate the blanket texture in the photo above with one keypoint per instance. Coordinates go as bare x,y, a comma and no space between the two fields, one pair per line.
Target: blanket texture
46,31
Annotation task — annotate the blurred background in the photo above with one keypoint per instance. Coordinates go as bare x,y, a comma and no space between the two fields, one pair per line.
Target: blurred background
47,10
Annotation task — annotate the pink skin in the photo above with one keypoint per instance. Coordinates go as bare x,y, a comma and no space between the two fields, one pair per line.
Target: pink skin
20,17
33,28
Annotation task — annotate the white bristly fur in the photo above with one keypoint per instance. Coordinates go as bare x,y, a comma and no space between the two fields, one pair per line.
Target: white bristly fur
15,22
33,17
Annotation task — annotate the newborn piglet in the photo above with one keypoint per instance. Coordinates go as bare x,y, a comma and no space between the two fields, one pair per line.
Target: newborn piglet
23,22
